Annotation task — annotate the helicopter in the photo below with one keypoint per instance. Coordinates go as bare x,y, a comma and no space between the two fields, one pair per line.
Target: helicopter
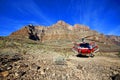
84,48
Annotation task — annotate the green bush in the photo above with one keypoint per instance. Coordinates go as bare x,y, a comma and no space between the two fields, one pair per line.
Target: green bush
118,54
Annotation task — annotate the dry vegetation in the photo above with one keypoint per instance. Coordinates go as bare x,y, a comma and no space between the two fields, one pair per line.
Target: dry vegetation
53,60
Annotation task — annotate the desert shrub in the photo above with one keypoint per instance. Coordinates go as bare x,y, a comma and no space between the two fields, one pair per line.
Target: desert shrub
23,51
118,54
9,43
3,44
60,60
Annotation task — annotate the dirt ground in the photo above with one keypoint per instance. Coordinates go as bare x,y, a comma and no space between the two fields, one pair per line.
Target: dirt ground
40,64
54,61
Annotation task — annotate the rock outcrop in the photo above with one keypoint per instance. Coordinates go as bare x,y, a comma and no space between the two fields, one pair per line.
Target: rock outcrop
58,31
114,39
64,31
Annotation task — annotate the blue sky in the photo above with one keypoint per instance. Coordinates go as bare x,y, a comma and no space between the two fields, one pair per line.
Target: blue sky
100,15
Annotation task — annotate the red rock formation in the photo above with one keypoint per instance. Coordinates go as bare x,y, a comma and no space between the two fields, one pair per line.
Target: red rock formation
114,39
81,27
22,33
64,31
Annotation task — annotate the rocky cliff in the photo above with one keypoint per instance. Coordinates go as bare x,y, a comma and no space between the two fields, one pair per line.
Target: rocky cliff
58,31
115,39
64,31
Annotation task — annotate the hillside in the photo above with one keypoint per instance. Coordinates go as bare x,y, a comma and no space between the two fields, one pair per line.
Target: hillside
32,60
65,32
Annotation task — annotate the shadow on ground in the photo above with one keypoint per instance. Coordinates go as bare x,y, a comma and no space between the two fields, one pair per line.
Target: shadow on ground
82,56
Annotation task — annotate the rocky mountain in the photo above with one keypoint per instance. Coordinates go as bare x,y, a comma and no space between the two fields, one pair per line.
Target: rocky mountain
64,31
58,31
115,39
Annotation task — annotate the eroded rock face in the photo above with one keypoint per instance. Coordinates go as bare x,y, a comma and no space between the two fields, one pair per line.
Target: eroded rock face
64,31
81,27
58,31
30,31
20,33
115,39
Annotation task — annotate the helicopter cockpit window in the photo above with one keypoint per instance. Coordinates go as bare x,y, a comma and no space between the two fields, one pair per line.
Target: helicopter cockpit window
85,45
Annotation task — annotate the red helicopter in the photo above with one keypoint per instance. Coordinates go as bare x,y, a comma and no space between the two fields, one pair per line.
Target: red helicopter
85,48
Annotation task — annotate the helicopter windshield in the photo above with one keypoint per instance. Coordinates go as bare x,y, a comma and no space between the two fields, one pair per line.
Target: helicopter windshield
85,45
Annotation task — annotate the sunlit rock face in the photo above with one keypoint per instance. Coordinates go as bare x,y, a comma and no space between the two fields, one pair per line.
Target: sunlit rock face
115,39
60,30
63,31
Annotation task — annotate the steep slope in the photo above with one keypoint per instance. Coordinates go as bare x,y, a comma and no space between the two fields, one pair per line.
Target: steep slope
63,31
58,31
115,39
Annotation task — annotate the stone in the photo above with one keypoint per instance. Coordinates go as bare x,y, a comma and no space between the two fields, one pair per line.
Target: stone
9,67
22,73
15,58
80,67
47,68
4,74
38,67
44,62
116,77
34,67
42,72
1,69
16,74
